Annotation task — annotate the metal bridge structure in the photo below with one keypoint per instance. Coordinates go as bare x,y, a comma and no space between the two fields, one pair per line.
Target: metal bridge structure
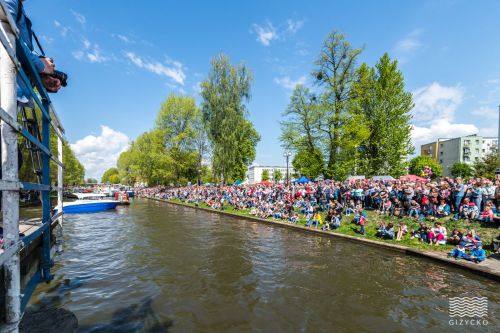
29,247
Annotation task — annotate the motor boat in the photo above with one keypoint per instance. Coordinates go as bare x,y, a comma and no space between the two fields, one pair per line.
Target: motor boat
89,203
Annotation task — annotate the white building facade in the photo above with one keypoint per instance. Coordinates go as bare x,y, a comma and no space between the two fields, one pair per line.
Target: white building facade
254,172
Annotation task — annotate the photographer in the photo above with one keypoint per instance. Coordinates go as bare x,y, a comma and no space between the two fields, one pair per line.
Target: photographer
44,65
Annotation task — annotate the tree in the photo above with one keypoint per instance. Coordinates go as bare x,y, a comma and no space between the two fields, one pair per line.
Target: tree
108,173
309,164
342,128
277,176
178,121
265,175
91,181
299,130
462,170
224,94
114,179
380,94
486,166
418,163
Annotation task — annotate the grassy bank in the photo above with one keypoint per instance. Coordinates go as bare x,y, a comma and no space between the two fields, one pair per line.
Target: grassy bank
487,232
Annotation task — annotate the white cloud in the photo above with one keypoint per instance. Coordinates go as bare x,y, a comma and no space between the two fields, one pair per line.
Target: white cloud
435,102
288,83
123,38
175,72
265,33
408,46
440,128
91,52
486,112
434,114
293,26
99,153
79,17
63,30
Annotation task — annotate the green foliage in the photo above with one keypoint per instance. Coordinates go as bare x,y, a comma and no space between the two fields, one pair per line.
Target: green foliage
380,95
106,176
91,181
173,151
486,166
265,175
232,136
358,124
277,176
73,172
462,170
308,164
417,164
114,179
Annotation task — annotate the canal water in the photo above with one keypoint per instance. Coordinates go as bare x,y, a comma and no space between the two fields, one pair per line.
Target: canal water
153,267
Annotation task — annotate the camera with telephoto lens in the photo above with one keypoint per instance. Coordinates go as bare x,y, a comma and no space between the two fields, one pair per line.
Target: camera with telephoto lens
61,76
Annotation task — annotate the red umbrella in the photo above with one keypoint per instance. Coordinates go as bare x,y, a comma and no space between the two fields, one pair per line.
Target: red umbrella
413,178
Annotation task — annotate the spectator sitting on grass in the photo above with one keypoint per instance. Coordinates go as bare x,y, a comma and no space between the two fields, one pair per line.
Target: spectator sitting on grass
414,209
458,252
402,230
421,233
468,210
439,232
386,231
351,208
471,239
477,254
455,237
443,209
486,215
316,220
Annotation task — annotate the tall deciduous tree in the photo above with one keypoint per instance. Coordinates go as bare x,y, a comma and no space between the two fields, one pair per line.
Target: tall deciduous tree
177,122
342,127
106,176
380,94
224,94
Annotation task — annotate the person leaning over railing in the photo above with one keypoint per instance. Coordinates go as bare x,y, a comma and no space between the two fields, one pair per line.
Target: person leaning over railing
44,65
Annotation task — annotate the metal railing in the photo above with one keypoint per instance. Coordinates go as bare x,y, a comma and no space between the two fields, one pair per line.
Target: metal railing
10,68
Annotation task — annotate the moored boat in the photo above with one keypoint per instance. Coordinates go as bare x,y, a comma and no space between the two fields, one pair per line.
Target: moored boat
89,203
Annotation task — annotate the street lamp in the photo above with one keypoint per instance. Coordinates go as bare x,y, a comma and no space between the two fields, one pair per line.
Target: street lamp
287,155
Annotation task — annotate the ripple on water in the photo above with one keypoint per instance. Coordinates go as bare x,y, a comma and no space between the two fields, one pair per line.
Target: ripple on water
154,267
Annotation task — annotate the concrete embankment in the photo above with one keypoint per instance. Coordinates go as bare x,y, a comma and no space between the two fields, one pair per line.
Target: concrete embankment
489,268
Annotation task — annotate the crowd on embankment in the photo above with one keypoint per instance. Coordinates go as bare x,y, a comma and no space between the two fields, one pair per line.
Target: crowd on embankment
447,212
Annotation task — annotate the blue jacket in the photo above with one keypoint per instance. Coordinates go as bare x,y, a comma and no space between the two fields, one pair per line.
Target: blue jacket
479,254
24,26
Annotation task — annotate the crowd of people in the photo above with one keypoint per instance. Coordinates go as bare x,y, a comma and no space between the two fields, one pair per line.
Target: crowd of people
329,204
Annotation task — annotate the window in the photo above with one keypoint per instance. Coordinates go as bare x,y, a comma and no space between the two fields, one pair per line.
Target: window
484,150
476,159
441,145
477,150
466,142
477,142
466,158
441,153
440,161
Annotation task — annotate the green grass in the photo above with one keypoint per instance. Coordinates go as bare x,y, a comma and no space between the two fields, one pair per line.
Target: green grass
486,232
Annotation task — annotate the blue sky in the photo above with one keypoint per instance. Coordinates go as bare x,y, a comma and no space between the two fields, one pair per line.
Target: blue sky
125,57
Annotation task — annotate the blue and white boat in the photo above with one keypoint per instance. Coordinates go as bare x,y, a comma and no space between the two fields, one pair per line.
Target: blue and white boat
89,203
